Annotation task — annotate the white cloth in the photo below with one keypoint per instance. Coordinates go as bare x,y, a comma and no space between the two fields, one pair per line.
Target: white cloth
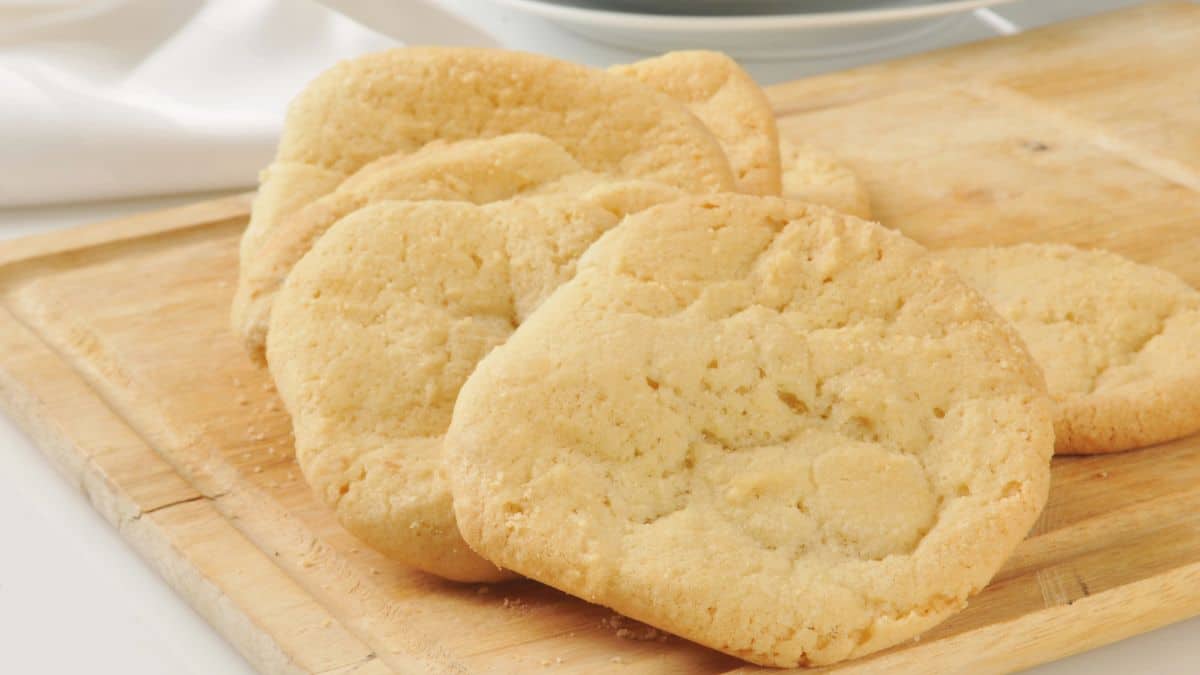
113,98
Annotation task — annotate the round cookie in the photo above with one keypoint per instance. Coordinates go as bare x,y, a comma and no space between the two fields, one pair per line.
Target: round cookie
477,171
1119,342
401,99
762,425
380,323
813,175
729,102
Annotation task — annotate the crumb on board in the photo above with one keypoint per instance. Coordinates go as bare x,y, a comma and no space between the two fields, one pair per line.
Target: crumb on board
1101,474
628,629
616,659
326,623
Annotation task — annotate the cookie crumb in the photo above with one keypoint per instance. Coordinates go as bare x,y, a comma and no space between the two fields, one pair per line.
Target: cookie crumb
628,629
326,623
257,469
483,590
1101,474
616,659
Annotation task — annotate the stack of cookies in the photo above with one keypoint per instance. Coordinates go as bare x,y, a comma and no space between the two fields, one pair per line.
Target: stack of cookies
531,318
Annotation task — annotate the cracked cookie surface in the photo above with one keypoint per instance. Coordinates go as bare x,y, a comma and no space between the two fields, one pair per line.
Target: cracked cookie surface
478,171
729,102
814,175
1119,342
762,425
380,323
399,100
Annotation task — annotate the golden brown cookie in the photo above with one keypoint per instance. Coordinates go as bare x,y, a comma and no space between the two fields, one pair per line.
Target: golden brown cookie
400,100
776,430
1119,342
380,323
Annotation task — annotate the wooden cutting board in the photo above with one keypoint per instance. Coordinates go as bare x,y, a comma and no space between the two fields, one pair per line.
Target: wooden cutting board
115,356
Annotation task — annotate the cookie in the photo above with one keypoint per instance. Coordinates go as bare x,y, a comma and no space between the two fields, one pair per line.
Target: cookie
400,100
377,327
813,175
477,171
762,425
729,102
1119,342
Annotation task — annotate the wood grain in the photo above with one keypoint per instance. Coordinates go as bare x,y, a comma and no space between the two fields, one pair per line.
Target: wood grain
116,357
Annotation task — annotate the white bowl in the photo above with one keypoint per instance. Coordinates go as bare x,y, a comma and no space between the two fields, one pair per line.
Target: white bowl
799,35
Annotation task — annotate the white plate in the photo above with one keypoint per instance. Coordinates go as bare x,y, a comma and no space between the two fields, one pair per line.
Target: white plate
774,36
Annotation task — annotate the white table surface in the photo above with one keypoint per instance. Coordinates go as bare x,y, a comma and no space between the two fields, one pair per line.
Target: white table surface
75,598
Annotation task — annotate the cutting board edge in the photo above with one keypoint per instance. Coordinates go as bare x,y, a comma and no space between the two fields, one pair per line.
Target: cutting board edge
107,232
144,529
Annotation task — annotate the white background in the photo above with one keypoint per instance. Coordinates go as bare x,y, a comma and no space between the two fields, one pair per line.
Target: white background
75,598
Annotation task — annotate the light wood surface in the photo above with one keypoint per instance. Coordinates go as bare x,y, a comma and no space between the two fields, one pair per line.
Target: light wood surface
116,357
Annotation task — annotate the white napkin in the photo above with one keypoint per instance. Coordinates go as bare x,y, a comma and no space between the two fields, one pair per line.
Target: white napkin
115,98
